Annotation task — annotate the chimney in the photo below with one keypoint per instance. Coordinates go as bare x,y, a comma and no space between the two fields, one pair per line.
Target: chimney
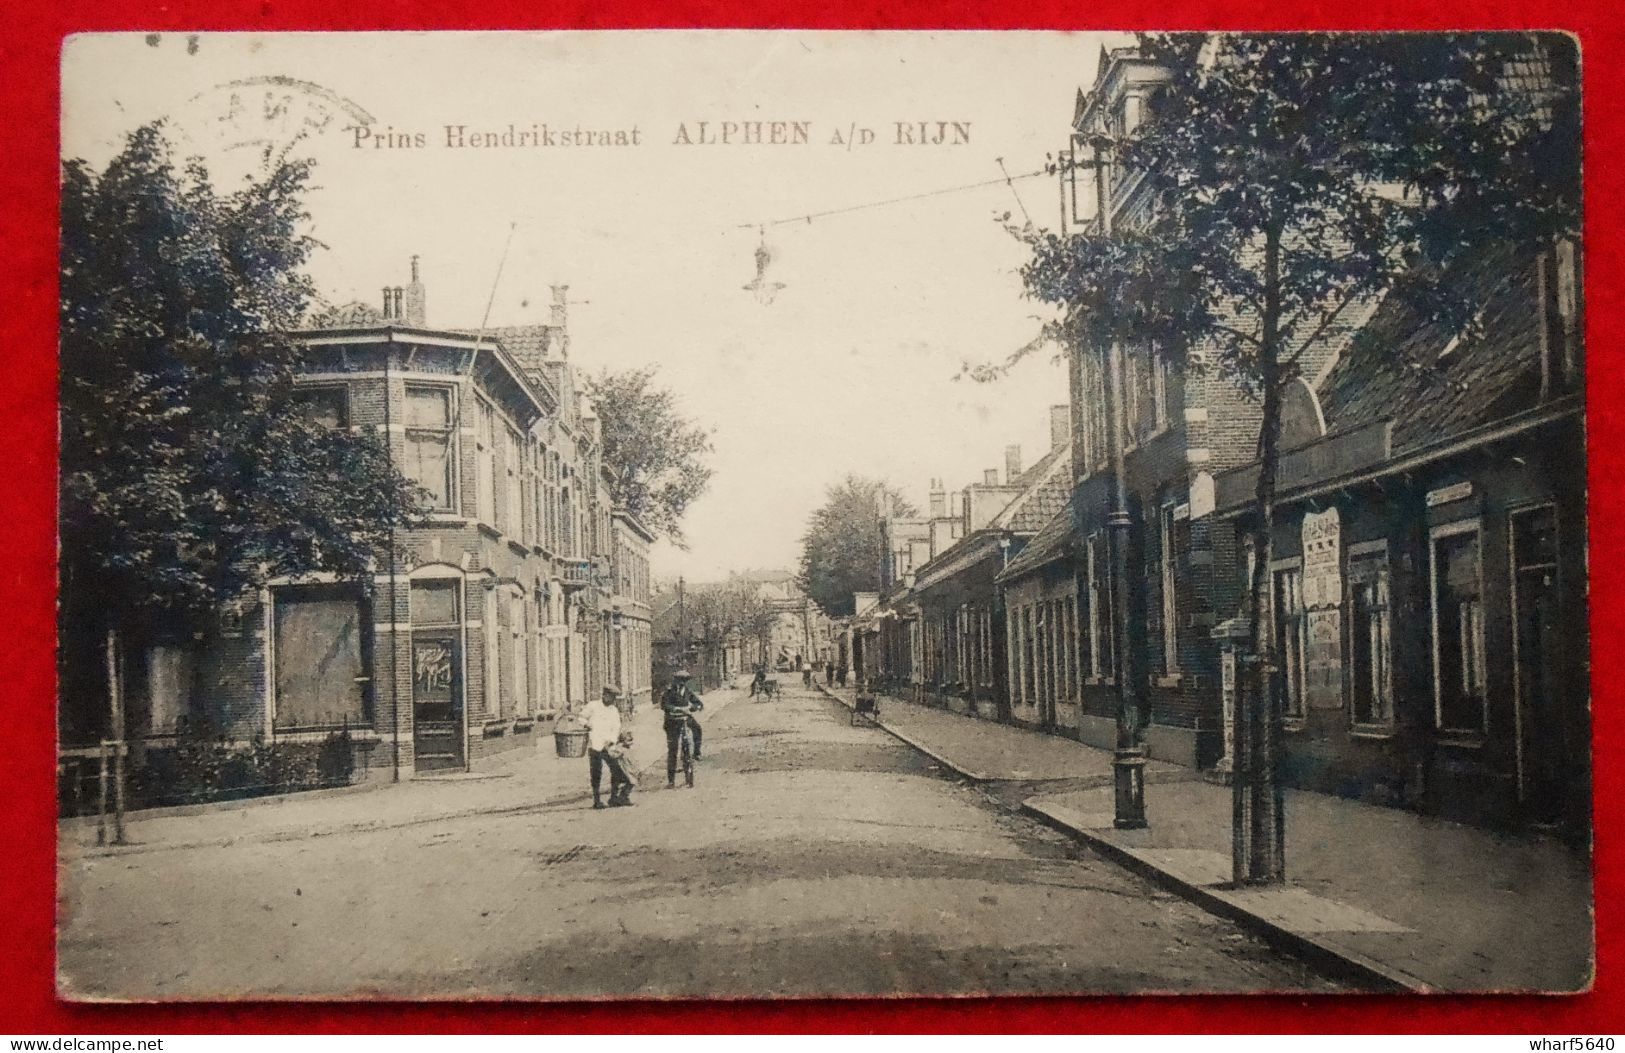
400,295
939,500
560,318
389,303
1060,426
1012,464
415,311
990,477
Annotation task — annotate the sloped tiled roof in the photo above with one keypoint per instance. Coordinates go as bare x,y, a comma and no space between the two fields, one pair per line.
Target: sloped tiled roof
1052,542
1045,493
527,343
1394,369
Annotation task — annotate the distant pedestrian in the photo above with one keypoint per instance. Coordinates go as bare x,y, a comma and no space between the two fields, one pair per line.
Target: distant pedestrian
829,673
603,735
806,676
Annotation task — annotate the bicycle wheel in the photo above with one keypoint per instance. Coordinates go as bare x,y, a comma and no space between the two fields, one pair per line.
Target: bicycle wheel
688,755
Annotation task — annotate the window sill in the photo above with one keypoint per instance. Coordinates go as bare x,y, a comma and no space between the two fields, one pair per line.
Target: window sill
1296,725
488,530
1464,740
1372,731
1100,681
363,733
1171,680
519,548
445,519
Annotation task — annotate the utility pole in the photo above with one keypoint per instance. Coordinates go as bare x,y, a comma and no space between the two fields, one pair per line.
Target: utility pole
1128,760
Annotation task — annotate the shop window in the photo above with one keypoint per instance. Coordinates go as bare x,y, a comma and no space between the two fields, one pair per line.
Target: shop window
1291,638
1460,698
320,657
1370,639
429,442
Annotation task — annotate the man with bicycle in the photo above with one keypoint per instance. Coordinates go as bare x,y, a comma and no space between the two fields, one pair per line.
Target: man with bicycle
680,703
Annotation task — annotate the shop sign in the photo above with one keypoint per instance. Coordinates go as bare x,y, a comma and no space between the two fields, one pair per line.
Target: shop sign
1446,494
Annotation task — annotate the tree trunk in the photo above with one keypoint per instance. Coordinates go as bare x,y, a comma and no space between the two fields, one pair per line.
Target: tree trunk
1260,818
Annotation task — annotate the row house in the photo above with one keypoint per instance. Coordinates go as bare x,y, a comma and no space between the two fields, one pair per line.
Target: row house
479,626
631,611
1429,545
960,635
937,630
1428,579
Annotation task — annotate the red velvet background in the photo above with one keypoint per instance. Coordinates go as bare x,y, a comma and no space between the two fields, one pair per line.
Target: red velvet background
28,235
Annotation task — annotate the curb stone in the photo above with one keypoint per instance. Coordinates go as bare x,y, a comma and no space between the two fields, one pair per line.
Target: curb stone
362,826
1324,953
973,776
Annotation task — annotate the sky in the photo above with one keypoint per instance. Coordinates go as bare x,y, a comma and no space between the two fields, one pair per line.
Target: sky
850,369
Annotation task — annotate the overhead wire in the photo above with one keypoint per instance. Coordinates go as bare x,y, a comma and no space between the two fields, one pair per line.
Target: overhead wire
808,217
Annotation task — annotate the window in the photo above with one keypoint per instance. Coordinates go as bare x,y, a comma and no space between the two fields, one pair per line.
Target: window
321,658
1072,666
429,443
1170,589
1559,289
1028,645
1370,638
519,633
1102,638
1458,630
1131,398
513,522
1159,391
328,406
1291,639
485,461
493,661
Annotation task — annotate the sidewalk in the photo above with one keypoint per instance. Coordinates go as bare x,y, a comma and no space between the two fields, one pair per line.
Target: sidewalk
523,780
1399,900
984,750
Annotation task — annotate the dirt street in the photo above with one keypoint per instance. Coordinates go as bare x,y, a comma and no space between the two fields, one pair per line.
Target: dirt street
811,859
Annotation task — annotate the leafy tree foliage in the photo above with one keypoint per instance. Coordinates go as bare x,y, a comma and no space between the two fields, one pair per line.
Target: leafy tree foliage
655,455
840,551
190,469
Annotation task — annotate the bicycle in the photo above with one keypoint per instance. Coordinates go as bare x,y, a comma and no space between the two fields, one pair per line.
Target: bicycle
685,754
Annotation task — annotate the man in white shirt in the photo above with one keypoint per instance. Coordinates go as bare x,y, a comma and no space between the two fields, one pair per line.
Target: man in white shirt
603,731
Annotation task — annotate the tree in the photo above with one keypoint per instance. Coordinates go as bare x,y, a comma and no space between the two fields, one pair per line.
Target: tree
655,456
191,470
751,615
840,551
1295,177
